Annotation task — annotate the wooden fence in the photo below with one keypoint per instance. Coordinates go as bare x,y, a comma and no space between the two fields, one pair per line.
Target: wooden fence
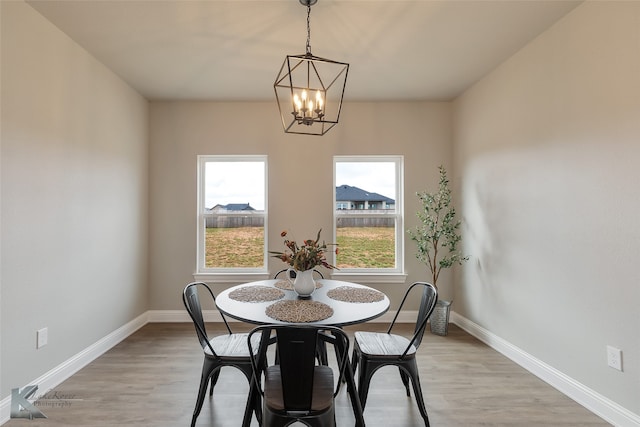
234,221
366,222
354,218
225,221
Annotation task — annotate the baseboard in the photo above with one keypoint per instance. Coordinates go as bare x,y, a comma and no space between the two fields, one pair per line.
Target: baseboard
179,316
63,371
591,400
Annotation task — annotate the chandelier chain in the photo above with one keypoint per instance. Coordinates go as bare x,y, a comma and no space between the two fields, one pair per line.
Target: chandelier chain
309,28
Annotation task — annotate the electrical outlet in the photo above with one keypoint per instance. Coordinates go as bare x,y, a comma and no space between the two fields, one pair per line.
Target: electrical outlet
614,357
42,337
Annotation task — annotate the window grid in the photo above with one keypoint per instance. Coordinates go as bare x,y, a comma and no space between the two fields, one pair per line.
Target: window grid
342,211
216,215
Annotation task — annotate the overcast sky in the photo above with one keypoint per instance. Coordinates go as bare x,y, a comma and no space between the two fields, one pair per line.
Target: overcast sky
234,182
243,182
375,177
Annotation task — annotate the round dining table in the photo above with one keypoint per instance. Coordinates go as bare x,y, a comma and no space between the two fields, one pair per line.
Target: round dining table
347,309
333,303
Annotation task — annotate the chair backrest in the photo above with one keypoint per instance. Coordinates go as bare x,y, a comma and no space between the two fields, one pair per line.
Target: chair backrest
296,347
293,273
427,304
297,350
191,300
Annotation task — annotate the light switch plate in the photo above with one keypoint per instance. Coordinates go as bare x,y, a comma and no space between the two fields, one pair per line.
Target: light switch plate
42,337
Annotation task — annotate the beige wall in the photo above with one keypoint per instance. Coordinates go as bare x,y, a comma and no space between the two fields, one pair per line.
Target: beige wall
300,173
74,198
547,149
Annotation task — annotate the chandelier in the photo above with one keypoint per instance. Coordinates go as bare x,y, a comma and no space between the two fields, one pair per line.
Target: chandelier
309,89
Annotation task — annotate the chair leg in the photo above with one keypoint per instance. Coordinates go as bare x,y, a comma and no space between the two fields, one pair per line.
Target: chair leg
214,380
405,380
417,390
321,353
354,360
364,379
254,402
207,369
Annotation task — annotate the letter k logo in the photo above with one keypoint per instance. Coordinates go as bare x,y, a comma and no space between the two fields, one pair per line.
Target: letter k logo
19,399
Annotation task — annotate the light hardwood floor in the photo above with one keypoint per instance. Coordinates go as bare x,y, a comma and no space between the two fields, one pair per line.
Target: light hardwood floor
151,379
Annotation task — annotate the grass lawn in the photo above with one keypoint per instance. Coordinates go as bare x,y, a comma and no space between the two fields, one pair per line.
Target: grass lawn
366,247
242,247
359,247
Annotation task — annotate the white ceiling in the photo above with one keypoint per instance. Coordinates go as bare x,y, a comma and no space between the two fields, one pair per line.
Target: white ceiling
233,49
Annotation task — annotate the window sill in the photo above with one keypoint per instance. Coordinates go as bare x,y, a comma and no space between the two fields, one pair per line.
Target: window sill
367,277
364,277
229,277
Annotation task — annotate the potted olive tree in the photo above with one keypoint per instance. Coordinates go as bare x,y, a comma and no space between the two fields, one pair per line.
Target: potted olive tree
437,238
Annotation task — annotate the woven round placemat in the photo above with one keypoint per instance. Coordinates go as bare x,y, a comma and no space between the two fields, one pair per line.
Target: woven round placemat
256,294
299,311
287,286
351,294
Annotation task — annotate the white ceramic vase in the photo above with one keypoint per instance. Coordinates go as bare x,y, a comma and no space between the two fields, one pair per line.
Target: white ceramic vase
303,284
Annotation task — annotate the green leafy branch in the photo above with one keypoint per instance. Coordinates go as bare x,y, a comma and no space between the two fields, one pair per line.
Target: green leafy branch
437,237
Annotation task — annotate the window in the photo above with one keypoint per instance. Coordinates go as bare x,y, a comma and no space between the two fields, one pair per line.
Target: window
368,209
232,214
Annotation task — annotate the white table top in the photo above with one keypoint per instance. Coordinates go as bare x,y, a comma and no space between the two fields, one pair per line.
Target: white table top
344,313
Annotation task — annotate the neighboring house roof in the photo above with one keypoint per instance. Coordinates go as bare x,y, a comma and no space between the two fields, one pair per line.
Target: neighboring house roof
343,193
234,207
347,192
239,207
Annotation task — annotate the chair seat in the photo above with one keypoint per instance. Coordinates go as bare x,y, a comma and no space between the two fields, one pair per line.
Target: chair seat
382,344
322,397
232,346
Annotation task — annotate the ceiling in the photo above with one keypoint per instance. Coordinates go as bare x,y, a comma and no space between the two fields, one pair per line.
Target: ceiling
232,50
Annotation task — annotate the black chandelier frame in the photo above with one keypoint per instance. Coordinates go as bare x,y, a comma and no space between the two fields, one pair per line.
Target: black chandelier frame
303,76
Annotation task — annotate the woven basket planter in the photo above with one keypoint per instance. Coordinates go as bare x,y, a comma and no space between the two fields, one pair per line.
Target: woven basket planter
439,320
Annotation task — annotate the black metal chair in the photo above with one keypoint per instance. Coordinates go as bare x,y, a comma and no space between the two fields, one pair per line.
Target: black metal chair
373,350
297,389
220,351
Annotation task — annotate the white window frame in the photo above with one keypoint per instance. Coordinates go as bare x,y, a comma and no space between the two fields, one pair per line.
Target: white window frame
375,275
227,274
